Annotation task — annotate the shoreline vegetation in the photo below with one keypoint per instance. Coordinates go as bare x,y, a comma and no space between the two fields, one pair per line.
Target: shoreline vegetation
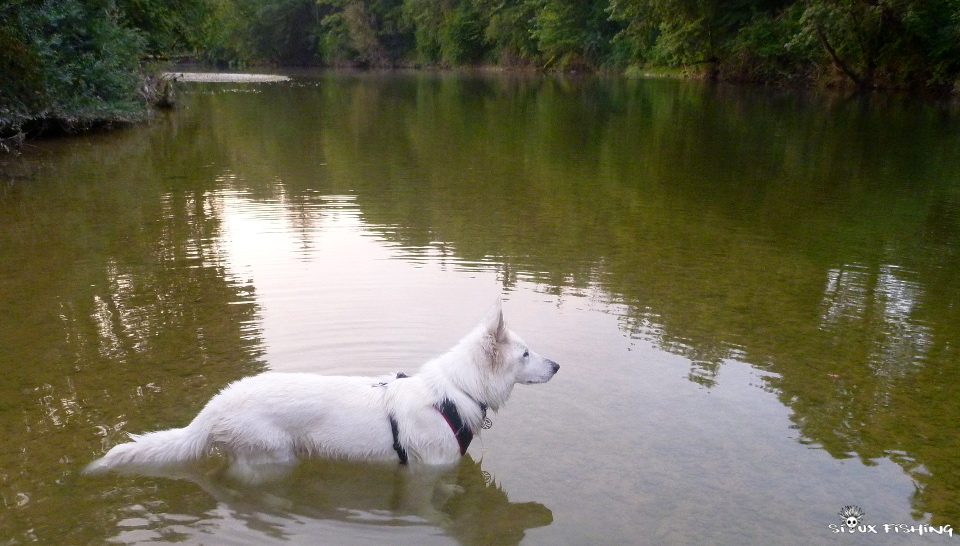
70,65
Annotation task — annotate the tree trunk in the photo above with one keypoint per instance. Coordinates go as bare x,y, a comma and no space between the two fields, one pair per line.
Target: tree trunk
862,83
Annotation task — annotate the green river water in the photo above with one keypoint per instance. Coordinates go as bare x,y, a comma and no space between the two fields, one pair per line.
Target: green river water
754,297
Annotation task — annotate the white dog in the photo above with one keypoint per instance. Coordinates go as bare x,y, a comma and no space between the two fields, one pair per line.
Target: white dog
275,418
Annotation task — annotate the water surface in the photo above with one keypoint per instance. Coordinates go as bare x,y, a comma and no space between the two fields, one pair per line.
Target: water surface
754,297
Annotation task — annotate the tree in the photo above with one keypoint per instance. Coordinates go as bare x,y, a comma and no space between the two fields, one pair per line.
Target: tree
168,26
573,32
507,30
364,32
887,42
683,32
68,61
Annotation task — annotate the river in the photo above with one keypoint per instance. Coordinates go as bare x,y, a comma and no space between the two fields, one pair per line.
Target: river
754,297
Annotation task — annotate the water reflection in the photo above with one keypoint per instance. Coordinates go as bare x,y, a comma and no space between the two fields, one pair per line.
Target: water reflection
861,295
815,240
812,240
117,309
309,500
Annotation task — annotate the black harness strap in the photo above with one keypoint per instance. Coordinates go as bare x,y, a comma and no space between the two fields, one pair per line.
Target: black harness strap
395,429
402,453
460,429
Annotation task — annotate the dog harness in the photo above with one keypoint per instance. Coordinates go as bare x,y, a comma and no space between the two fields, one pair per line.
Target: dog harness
395,429
460,429
450,413
402,453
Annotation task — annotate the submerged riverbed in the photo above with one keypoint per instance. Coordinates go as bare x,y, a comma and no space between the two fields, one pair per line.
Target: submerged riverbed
754,297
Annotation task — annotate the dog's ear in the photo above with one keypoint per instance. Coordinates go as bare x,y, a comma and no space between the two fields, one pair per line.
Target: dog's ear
494,322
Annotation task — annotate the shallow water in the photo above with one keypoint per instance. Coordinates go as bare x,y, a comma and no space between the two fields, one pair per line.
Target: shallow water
754,297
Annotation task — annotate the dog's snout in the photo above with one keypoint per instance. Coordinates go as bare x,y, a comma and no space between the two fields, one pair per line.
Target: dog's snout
554,366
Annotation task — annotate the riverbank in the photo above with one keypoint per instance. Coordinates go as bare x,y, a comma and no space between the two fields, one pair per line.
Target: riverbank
158,92
60,117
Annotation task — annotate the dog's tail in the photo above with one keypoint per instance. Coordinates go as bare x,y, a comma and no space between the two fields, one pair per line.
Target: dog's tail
154,449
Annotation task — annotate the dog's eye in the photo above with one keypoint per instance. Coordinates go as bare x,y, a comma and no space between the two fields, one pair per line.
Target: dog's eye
526,354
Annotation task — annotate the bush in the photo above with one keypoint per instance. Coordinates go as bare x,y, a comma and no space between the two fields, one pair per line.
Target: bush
462,37
68,62
763,51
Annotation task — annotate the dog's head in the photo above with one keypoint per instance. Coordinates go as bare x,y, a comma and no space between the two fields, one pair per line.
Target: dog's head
490,360
512,353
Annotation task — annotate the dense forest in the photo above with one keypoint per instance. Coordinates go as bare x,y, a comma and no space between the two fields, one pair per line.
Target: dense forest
78,62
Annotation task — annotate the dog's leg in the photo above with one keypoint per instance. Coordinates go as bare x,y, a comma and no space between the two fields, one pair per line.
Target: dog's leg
260,467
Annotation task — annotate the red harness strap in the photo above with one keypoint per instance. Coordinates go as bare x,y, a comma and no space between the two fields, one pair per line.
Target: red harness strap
460,429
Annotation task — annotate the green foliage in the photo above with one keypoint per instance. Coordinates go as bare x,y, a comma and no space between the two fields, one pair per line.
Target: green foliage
223,35
885,43
573,33
507,29
449,32
683,32
23,79
425,18
284,31
556,28
462,40
763,50
168,26
360,32
67,60
891,43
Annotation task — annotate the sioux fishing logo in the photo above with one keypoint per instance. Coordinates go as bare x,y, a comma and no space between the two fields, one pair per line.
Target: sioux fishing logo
851,518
